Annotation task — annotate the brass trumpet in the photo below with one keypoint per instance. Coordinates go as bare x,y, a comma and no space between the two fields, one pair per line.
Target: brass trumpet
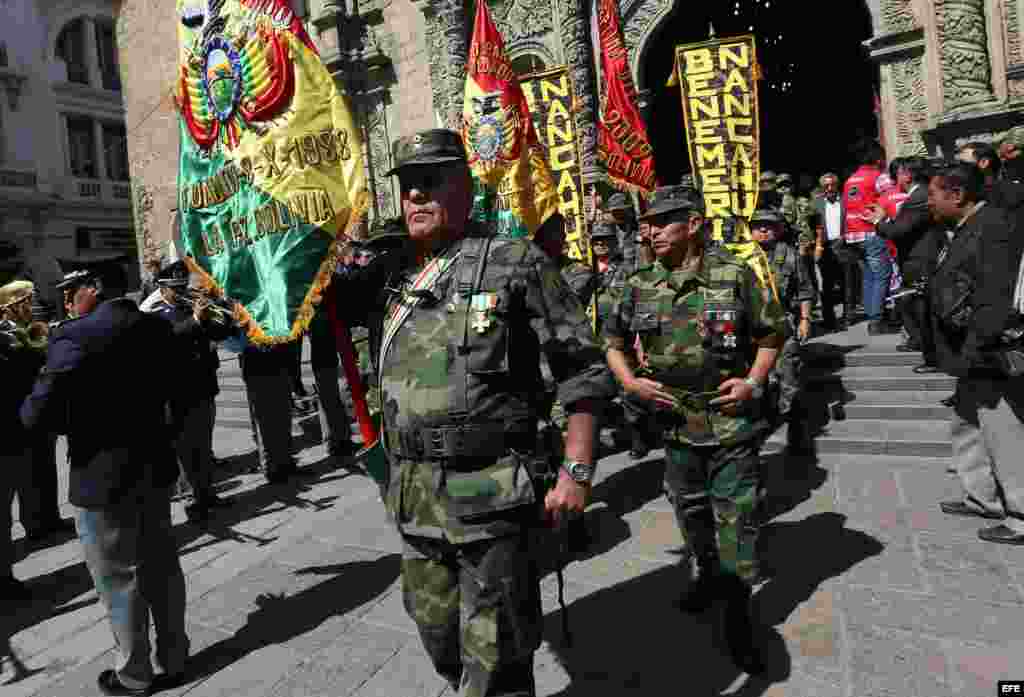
222,310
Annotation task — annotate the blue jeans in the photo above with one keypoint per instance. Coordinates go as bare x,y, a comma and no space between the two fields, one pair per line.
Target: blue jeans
877,272
133,561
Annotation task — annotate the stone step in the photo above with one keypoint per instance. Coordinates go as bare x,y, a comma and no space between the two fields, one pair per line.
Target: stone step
879,437
898,378
813,356
893,405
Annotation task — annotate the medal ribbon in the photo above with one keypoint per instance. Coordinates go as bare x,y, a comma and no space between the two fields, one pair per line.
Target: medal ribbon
426,279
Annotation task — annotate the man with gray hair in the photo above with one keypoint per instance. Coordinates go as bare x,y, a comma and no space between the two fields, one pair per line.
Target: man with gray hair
829,225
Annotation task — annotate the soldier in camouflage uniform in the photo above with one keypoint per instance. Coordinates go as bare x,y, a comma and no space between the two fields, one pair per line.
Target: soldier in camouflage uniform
611,274
550,237
796,294
620,214
784,186
457,333
709,338
768,193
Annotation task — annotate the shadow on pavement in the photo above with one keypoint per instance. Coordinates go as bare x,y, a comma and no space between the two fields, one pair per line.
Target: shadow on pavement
52,595
630,639
787,482
622,493
798,557
280,618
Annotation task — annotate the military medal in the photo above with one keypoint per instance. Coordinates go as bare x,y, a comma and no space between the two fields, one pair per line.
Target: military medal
481,305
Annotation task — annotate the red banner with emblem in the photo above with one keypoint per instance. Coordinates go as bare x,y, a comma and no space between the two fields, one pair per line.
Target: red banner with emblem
622,146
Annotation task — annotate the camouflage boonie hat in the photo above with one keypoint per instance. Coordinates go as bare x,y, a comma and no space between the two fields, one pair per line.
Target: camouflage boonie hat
1015,136
784,180
667,199
604,231
431,147
15,292
766,215
618,202
767,180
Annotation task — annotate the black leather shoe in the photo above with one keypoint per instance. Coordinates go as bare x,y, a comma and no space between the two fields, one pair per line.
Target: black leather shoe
961,508
949,401
1002,535
739,633
908,348
110,685
925,369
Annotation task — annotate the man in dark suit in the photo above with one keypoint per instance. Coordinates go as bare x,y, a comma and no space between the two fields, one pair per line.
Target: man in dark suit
917,243
106,384
829,229
971,300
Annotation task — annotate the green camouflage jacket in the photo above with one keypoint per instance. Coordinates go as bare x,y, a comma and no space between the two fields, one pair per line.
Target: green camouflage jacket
791,277
697,329
580,277
610,283
523,307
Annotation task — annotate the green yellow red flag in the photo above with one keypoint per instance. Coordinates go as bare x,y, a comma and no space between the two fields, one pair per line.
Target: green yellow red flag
514,190
271,174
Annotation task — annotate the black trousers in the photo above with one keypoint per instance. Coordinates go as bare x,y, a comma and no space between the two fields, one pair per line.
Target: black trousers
915,312
832,282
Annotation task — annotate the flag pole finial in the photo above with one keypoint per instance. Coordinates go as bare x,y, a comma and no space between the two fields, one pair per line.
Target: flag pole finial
711,30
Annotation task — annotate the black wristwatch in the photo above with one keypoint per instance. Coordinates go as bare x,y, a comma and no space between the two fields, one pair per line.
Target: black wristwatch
580,472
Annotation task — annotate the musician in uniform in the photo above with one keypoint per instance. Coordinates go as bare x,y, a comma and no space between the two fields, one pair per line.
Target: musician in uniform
458,330
122,468
22,354
192,406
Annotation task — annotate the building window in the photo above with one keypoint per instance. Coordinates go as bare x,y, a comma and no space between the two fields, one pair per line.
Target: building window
106,50
81,147
83,239
71,49
115,147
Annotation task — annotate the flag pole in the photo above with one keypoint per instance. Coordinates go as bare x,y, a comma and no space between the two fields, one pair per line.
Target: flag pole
347,352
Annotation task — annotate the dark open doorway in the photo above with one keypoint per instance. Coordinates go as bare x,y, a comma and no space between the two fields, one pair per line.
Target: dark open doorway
817,95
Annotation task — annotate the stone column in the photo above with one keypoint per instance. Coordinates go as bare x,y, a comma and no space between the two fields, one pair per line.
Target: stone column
963,48
448,46
573,24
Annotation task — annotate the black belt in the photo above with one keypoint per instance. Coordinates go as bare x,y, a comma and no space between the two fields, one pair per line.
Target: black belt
469,440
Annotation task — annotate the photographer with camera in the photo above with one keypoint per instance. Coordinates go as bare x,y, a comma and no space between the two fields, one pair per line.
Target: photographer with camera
971,295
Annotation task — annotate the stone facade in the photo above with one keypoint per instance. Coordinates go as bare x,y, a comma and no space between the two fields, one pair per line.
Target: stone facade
64,188
951,70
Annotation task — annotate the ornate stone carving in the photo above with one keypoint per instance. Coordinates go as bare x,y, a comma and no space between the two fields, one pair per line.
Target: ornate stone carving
1011,12
522,19
911,106
377,136
639,21
574,28
963,49
448,46
898,16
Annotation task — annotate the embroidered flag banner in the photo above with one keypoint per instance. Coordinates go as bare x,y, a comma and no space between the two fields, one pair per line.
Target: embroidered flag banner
717,79
550,96
514,189
271,174
622,143
718,83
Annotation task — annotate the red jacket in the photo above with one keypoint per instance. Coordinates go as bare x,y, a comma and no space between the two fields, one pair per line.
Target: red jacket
860,194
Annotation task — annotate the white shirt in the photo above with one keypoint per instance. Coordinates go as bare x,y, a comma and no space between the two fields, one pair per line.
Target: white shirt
833,219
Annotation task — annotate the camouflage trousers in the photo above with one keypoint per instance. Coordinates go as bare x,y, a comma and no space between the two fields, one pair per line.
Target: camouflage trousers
714,492
478,610
789,372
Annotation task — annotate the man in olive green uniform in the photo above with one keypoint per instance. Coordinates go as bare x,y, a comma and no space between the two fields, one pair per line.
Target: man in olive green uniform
620,213
700,316
458,331
611,275
796,294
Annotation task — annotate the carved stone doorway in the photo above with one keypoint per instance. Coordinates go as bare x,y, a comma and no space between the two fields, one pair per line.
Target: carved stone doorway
817,95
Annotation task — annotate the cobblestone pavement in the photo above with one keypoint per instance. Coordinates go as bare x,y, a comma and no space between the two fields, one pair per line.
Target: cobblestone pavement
294,591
